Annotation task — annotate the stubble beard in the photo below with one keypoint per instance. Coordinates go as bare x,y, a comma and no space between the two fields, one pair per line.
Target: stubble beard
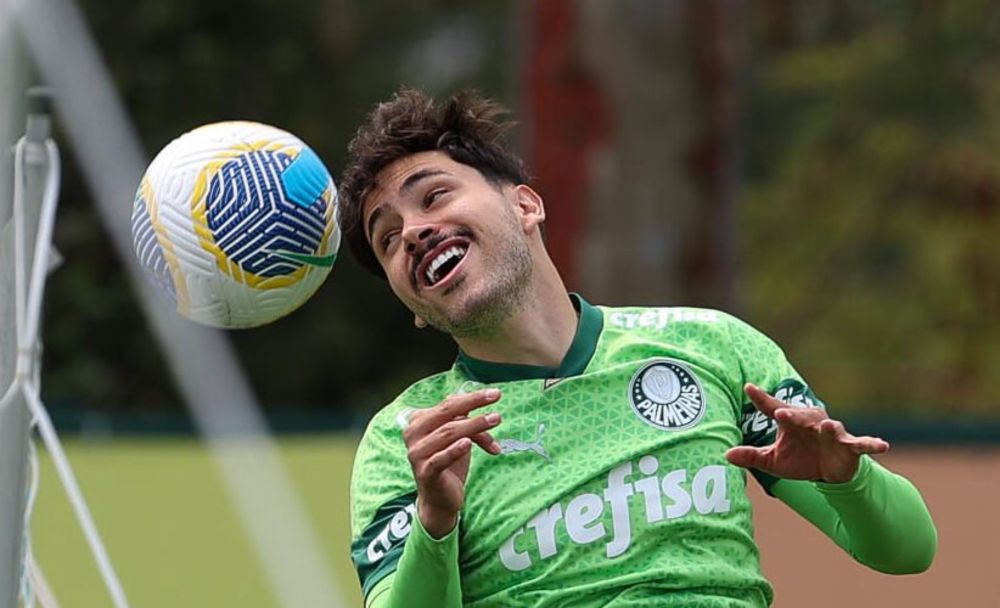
480,314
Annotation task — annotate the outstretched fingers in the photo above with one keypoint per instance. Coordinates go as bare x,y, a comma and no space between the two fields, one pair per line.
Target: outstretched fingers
765,403
833,431
487,442
749,457
803,417
443,459
452,432
455,406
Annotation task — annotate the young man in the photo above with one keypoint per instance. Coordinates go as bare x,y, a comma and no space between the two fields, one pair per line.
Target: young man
574,455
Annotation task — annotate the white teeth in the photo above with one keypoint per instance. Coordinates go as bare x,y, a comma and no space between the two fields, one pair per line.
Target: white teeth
441,258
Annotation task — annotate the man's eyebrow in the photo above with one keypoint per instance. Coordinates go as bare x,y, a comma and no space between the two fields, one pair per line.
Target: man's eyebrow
413,179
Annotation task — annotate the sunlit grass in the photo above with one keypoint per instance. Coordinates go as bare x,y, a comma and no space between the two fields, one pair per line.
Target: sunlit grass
170,529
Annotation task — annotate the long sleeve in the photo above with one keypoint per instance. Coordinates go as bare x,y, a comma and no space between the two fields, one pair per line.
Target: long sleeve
878,517
426,577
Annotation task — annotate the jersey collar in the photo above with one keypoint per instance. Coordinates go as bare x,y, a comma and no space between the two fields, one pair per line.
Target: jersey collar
588,330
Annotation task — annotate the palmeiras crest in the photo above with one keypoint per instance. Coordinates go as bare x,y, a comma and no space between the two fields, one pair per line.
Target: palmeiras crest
666,394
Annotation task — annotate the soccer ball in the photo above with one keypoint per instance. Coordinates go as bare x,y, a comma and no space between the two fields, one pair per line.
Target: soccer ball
236,222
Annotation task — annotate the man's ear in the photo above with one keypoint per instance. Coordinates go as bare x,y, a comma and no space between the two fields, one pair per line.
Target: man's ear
530,206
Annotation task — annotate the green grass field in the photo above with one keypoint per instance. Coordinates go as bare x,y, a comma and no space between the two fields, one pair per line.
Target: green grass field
173,536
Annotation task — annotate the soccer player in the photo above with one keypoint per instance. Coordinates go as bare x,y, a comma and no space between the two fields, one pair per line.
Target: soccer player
574,455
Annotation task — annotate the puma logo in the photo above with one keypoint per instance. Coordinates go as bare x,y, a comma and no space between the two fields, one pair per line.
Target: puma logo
510,446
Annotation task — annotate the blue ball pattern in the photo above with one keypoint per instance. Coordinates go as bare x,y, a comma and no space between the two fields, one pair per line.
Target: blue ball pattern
147,247
251,215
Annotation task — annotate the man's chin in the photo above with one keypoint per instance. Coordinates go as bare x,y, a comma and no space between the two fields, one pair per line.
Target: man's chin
477,317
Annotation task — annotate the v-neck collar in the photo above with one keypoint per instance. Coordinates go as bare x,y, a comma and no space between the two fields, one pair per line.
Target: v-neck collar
588,330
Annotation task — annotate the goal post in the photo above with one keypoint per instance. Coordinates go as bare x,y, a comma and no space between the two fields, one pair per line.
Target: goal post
14,416
30,228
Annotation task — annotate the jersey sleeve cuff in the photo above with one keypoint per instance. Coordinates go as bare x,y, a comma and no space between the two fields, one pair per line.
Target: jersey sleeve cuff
428,573
856,484
441,547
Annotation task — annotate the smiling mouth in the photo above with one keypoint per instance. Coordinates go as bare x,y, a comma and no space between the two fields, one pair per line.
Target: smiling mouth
444,263
441,261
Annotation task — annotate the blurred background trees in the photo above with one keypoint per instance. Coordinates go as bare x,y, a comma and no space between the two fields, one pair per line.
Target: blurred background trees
873,201
826,170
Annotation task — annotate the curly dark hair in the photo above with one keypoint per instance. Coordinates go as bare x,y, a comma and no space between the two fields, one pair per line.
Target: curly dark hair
467,127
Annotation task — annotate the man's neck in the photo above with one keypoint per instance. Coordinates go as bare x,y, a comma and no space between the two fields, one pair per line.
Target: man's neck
539,332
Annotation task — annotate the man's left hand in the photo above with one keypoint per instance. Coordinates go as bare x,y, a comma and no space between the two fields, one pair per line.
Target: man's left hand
810,445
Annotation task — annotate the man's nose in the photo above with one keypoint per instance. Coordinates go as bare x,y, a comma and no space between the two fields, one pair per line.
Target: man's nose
414,236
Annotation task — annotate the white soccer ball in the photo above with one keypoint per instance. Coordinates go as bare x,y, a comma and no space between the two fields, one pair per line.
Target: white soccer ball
237,223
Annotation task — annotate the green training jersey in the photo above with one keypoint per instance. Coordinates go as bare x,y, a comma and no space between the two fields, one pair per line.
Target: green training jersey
612,488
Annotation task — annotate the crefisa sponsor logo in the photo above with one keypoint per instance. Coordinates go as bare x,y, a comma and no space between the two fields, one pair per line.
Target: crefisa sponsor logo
667,395
659,318
589,517
393,533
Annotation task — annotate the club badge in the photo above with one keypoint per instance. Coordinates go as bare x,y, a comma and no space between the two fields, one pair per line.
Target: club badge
667,395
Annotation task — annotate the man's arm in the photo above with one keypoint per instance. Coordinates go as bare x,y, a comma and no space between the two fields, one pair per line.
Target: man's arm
825,474
408,553
427,575
878,517
875,515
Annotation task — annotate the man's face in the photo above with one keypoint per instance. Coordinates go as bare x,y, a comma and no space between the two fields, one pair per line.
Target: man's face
453,245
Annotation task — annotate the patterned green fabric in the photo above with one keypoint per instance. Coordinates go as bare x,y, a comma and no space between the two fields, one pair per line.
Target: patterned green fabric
613,488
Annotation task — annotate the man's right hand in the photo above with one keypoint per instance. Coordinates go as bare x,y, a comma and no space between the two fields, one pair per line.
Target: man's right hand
439,445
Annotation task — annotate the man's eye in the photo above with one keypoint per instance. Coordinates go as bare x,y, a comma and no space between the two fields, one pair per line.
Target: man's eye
433,195
388,238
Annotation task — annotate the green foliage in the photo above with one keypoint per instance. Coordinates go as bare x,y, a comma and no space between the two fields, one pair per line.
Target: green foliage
874,203
311,67
868,220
